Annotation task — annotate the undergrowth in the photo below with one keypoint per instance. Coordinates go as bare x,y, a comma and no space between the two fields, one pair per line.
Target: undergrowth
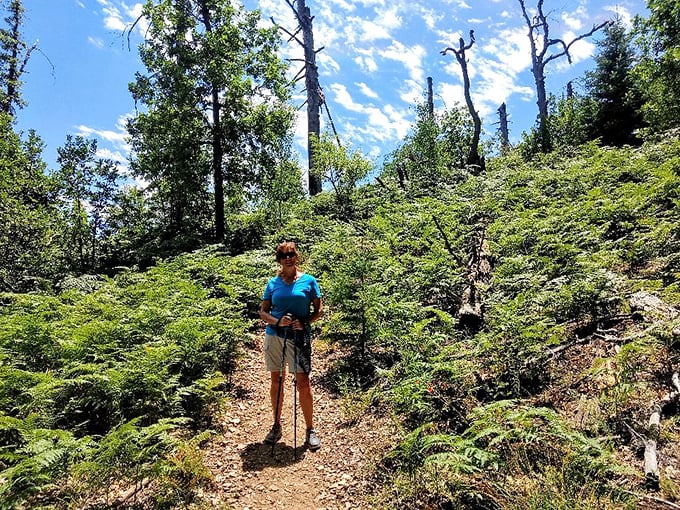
120,378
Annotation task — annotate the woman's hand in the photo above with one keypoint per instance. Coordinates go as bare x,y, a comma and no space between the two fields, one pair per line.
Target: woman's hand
289,321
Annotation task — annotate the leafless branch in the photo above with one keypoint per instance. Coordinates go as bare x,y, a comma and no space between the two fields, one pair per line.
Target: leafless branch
291,36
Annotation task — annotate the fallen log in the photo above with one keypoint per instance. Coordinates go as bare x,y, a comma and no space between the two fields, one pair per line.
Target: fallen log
470,313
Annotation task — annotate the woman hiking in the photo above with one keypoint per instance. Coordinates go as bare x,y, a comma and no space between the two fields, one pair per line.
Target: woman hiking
290,303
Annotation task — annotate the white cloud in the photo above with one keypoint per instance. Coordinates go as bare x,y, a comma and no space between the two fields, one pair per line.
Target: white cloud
116,137
367,91
579,51
511,49
327,64
342,96
96,42
366,63
411,57
571,21
381,124
116,156
365,30
412,91
621,13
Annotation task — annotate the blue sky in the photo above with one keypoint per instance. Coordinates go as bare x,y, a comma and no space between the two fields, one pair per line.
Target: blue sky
377,57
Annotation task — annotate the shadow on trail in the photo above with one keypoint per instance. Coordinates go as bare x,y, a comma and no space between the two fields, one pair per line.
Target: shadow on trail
257,456
241,392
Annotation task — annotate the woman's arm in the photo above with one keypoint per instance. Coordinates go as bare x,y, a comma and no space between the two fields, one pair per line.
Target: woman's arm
317,307
268,318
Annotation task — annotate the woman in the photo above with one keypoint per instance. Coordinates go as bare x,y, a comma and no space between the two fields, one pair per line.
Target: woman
291,301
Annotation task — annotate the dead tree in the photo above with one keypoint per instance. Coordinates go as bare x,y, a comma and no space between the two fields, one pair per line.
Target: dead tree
430,98
503,120
470,314
310,72
541,45
473,159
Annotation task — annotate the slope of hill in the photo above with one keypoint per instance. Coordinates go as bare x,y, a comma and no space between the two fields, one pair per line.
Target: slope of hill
520,326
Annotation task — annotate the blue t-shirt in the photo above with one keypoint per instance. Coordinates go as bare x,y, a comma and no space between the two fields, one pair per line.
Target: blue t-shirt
295,298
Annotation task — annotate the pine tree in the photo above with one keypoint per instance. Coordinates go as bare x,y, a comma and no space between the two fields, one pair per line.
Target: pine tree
659,68
612,87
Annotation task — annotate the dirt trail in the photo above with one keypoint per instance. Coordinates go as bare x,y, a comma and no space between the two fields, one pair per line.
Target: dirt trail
248,476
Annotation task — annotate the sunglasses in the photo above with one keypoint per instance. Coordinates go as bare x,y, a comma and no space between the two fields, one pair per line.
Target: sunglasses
287,255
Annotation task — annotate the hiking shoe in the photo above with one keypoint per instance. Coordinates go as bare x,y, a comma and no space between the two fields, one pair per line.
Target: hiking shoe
313,441
274,434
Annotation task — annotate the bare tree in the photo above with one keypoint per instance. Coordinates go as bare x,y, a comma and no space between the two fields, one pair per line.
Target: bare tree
310,72
541,47
474,159
430,97
503,120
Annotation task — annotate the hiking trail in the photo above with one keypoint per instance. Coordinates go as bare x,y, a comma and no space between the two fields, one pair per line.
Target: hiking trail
248,476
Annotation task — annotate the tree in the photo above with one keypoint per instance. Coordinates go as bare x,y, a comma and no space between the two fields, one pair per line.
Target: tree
214,93
613,89
28,218
473,159
434,152
315,97
87,187
541,44
659,39
14,56
341,170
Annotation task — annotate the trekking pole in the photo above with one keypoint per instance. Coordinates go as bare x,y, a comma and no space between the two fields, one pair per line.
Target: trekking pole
280,387
295,366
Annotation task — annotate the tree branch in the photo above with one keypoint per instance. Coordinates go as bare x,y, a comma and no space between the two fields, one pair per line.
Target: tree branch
566,47
291,36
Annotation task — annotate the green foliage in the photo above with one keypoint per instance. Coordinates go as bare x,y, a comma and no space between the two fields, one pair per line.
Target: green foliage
570,234
657,36
208,121
613,88
14,55
508,445
125,369
87,187
341,170
28,218
32,459
129,452
434,153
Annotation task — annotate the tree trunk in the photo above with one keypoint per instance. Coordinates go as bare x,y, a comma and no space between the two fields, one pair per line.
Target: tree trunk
470,313
503,119
430,98
313,99
11,99
542,101
539,30
217,145
473,159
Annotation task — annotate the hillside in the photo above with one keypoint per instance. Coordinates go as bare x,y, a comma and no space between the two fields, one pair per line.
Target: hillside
519,328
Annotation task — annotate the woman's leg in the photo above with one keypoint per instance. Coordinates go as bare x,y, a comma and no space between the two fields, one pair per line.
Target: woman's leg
306,399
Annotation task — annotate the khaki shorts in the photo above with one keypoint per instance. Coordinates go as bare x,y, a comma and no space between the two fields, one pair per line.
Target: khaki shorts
273,345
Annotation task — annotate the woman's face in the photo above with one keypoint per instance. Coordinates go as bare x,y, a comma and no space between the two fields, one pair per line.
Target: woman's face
288,258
